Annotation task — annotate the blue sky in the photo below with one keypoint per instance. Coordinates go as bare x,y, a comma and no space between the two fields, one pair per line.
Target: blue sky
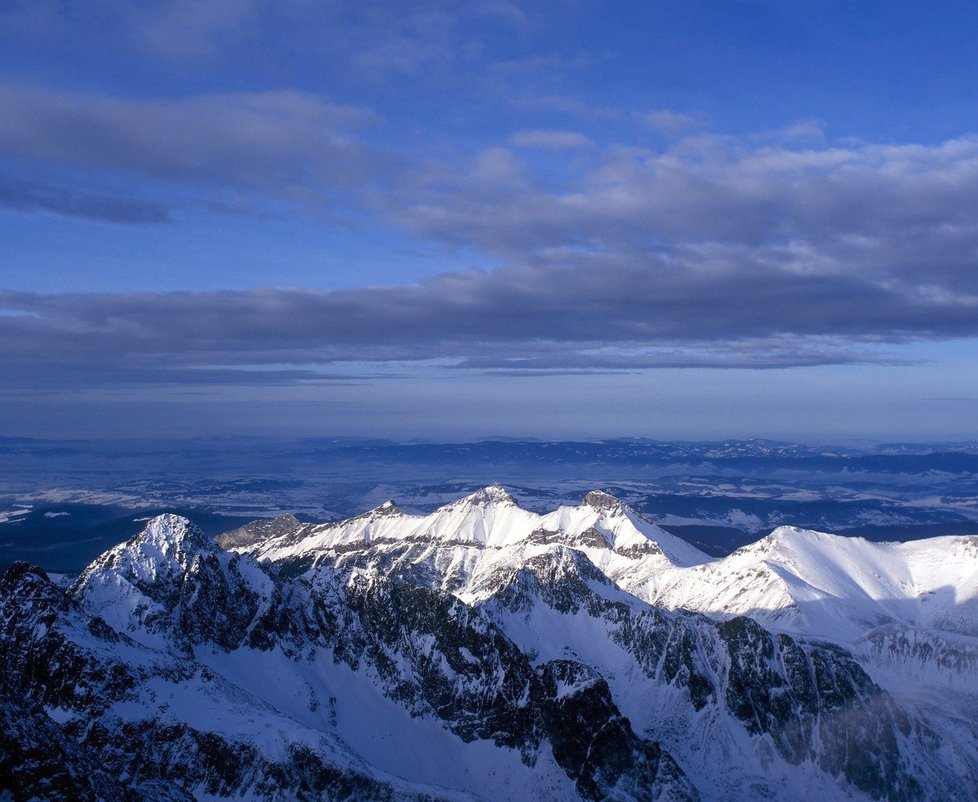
675,219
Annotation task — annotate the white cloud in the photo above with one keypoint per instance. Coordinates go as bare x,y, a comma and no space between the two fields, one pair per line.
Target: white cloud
550,140
668,121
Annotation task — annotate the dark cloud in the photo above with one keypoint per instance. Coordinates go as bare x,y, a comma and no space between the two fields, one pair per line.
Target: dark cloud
654,313
60,374
381,37
769,251
281,141
546,139
184,29
34,196
899,211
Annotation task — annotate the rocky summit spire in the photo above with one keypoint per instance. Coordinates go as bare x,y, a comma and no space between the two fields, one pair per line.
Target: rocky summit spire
493,494
599,500
387,508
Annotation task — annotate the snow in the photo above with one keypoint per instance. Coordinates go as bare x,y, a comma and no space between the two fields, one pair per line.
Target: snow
59,714
371,728
908,612
472,540
13,515
273,701
699,741
793,580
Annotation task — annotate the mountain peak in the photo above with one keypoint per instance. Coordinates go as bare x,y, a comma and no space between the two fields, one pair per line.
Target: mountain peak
599,500
28,583
171,530
166,541
492,494
387,508
259,530
780,536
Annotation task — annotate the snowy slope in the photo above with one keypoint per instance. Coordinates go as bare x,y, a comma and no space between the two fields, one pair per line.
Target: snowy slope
731,695
831,586
235,680
159,586
488,652
464,546
906,611
910,607
794,580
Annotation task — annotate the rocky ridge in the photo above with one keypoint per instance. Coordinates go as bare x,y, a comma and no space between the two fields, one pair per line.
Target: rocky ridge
482,652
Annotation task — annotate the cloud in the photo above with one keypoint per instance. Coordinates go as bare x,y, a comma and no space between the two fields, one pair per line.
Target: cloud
70,375
717,252
549,140
174,30
775,250
897,219
380,38
275,140
668,121
657,313
748,355
186,29
186,34
34,196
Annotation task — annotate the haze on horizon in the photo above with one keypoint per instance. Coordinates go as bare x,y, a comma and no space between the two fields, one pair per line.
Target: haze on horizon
555,219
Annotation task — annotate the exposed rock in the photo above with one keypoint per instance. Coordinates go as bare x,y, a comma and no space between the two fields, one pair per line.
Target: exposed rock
257,531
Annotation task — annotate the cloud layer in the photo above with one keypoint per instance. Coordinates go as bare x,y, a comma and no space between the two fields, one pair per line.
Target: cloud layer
615,253
281,143
621,316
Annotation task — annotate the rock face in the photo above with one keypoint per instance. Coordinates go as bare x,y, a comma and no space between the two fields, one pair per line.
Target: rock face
88,715
259,531
364,661
812,702
38,760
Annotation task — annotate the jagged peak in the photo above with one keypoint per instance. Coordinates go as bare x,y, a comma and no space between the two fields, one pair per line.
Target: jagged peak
172,529
29,582
566,561
784,534
387,508
285,518
787,531
488,496
599,500
258,530
20,570
168,536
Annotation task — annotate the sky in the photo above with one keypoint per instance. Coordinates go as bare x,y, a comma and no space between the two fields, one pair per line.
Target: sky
695,219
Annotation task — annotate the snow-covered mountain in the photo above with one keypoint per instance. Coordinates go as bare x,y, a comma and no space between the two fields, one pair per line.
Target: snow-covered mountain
488,652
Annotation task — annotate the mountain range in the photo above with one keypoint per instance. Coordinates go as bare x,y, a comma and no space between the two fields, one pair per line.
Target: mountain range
62,503
484,651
